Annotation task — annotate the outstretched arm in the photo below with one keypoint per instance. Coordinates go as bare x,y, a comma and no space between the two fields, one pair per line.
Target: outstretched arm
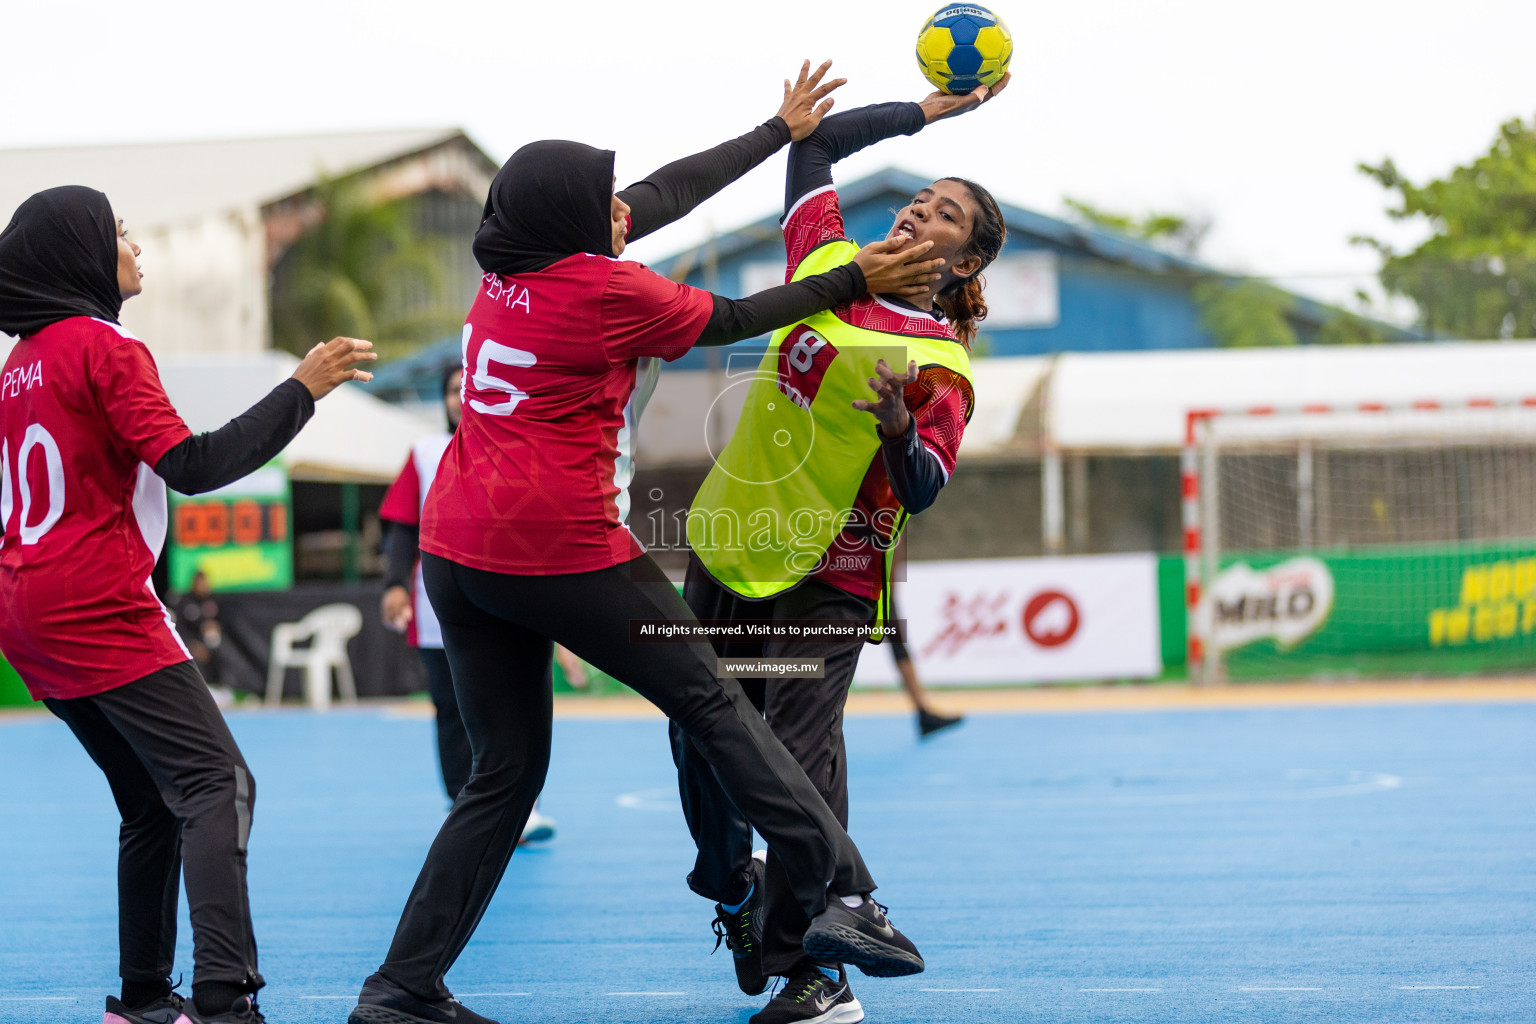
878,267
671,192
842,135
209,461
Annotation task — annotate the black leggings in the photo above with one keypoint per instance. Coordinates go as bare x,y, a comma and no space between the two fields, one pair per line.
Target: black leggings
806,714
499,630
453,755
185,794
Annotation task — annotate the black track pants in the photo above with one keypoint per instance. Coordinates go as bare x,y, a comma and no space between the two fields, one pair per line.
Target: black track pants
453,755
185,796
805,714
499,630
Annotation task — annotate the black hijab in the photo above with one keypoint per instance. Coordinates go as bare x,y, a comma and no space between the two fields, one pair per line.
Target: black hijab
58,259
550,200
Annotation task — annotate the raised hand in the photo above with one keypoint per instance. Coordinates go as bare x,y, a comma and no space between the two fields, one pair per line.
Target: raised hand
396,608
804,102
331,364
939,105
890,405
905,273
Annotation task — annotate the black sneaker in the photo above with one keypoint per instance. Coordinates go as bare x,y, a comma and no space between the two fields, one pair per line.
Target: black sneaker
243,1011
384,1002
861,936
810,997
742,933
165,1010
929,723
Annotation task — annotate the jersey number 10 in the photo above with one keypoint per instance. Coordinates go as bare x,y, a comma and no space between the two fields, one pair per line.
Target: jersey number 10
36,437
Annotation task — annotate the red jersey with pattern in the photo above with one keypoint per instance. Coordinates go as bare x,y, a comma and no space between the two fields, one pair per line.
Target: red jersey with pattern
402,504
535,481
939,400
83,419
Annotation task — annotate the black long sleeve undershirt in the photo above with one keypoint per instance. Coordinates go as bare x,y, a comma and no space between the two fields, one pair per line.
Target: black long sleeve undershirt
671,192
916,476
206,462
842,135
402,547
768,310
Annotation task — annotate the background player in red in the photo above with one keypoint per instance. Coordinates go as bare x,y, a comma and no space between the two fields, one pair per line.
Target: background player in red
524,541
405,607
88,442
920,418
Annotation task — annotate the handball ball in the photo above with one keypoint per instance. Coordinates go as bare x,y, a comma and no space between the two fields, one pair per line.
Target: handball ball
964,46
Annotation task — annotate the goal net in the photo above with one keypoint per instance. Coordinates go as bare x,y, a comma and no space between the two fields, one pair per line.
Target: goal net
1373,540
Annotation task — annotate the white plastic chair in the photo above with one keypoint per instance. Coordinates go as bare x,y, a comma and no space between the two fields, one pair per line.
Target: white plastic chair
327,628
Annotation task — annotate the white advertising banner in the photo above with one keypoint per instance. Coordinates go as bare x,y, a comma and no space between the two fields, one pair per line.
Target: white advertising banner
1026,620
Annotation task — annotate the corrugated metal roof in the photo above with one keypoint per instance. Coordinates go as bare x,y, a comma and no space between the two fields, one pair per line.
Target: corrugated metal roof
156,184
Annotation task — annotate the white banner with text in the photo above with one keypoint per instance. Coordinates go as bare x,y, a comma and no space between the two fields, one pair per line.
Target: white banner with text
1025,620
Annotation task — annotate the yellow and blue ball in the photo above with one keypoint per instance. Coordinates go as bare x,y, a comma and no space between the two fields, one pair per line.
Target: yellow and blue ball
964,46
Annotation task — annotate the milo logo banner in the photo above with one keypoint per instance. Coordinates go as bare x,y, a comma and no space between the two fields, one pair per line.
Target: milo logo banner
1397,611
1286,603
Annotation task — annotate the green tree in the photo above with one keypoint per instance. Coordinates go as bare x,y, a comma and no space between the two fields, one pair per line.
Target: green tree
1346,328
1475,276
363,272
1238,313
1245,313
1178,232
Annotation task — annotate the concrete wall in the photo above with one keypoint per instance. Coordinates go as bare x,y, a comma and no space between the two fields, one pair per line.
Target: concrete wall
205,286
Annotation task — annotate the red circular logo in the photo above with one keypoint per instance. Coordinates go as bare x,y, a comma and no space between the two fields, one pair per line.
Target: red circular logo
1052,635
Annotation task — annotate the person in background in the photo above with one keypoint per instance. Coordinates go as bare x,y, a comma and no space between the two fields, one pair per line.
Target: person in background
407,610
197,620
928,720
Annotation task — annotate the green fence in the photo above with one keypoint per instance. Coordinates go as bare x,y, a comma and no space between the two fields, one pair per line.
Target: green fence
1401,611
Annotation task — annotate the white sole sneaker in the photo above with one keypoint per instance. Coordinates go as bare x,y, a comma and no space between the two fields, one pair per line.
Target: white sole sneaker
842,1013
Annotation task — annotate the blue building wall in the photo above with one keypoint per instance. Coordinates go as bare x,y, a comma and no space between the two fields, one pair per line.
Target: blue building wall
1114,293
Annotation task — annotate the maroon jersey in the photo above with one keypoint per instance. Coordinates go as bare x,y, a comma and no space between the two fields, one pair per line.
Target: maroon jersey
938,400
534,481
83,418
402,504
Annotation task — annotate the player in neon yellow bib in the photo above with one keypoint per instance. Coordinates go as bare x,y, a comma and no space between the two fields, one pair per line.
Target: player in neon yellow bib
852,423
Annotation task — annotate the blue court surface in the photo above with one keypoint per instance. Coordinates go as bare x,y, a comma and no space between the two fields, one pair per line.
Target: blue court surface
1365,864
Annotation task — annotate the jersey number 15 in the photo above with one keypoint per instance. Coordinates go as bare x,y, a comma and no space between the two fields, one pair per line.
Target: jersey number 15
488,353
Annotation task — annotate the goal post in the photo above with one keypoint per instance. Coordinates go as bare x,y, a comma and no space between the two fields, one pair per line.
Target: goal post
1375,539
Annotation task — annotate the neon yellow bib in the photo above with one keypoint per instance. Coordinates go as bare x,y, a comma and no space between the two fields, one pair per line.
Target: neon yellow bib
785,485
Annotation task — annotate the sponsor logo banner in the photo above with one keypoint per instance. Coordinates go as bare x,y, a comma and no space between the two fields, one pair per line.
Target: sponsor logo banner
1287,603
1026,620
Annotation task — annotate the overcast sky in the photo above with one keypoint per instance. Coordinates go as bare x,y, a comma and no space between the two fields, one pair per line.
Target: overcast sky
1253,115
